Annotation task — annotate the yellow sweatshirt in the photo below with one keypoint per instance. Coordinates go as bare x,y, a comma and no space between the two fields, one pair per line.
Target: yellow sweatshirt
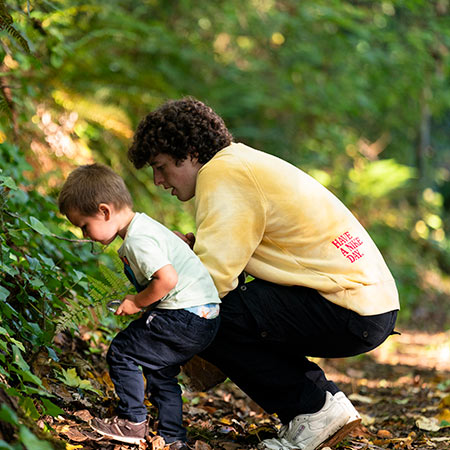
258,213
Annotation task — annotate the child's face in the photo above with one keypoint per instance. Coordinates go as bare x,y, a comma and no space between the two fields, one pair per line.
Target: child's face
100,227
181,177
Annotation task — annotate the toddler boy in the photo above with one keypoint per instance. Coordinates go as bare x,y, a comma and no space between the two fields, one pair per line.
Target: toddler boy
163,269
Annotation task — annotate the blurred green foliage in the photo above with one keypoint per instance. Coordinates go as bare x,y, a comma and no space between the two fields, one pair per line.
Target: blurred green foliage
353,92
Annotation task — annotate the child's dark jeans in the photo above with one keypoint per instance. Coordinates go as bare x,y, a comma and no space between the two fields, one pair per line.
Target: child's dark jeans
160,342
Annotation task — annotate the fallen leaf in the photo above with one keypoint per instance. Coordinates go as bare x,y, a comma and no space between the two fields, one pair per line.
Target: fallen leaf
195,411
143,445
210,409
384,434
230,445
226,421
428,424
83,414
367,419
444,416
200,445
362,399
74,435
157,443
353,373
445,402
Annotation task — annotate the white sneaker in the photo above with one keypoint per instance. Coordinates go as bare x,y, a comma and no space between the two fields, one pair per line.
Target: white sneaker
308,431
347,404
352,422
276,444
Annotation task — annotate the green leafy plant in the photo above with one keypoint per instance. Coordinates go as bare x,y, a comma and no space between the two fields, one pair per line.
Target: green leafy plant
39,274
110,285
70,378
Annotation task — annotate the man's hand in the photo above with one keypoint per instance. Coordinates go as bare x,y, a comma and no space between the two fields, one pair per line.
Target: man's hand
127,307
189,238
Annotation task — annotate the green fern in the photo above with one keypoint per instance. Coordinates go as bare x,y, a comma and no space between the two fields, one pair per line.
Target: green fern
4,105
113,286
5,17
6,24
74,315
115,281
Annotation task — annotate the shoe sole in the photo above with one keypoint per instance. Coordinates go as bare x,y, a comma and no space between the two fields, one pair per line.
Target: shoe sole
340,434
127,440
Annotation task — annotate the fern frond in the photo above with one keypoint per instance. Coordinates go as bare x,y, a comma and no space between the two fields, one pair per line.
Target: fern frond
97,296
6,24
118,264
87,309
98,285
4,105
4,14
116,282
70,317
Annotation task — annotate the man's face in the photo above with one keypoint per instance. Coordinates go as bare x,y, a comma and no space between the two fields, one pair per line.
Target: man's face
179,177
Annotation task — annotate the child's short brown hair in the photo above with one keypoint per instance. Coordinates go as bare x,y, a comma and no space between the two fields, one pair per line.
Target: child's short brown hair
88,186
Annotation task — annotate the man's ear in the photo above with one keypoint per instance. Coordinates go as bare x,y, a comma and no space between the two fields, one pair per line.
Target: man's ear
105,210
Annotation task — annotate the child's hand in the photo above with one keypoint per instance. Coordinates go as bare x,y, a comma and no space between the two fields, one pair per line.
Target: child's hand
127,307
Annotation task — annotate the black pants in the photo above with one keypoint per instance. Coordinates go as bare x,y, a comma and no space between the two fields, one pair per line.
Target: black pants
268,330
159,342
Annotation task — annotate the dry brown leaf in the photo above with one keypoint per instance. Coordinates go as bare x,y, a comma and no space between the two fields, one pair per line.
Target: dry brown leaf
210,409
200,445
83,414
74,434
143,445
384,434
230,445
58,389
157,443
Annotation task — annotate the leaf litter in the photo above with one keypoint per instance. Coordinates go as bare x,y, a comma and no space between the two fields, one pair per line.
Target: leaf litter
404,404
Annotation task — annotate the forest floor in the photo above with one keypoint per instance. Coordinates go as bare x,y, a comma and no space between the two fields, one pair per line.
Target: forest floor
401,389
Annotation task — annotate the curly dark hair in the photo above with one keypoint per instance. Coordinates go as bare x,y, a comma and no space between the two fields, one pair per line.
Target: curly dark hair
180,128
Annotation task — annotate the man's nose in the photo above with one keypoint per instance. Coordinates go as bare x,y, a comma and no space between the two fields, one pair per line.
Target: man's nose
157,178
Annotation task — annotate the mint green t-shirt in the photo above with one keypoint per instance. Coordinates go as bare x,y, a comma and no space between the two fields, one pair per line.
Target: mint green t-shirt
148,246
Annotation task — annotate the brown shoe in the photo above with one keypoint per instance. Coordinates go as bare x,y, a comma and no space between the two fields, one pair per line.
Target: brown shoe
121,430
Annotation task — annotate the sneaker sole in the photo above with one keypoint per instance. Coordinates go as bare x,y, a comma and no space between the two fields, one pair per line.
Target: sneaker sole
340,434
127,440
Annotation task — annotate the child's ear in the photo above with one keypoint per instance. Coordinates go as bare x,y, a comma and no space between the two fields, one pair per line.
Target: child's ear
105,210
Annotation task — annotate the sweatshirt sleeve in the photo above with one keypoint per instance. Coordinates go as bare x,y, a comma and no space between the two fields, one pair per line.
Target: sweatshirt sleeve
231,218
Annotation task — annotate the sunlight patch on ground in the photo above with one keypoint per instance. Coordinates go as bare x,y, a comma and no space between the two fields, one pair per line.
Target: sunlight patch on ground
418,349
